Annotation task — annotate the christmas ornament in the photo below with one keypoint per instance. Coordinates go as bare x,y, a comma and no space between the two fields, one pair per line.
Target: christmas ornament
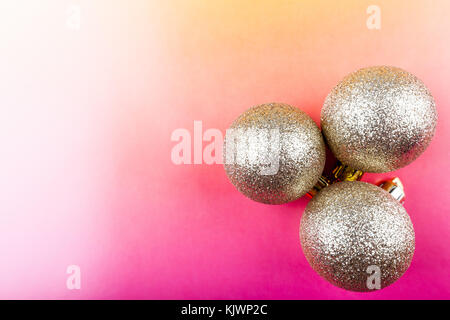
379,119
353,229
274,153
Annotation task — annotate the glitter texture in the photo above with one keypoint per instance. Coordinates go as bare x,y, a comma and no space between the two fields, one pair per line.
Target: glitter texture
279,153
350,226
379,119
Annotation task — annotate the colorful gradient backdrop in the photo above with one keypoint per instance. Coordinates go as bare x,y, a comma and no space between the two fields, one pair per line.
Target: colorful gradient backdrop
86,118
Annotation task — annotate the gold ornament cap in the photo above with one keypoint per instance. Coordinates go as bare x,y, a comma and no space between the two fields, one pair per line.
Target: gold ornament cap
395,188
341,172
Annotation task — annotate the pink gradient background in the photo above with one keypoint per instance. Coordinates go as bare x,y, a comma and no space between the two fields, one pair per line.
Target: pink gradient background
85,123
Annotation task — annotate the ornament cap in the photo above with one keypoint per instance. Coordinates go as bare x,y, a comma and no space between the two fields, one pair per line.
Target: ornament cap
343,172
320,184
395,188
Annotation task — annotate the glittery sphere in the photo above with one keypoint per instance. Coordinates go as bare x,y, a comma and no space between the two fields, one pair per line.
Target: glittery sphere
350,229
379,119
274,153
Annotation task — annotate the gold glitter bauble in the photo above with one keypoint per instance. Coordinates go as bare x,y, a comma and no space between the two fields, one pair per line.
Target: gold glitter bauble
379,119
350,229
274,153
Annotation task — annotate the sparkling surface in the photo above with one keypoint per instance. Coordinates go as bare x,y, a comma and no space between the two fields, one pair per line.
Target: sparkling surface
350,226
299,153
379,119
